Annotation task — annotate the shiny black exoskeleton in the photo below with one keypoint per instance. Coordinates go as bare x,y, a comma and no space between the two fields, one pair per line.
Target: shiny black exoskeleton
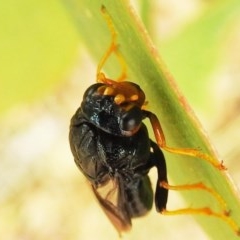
111,147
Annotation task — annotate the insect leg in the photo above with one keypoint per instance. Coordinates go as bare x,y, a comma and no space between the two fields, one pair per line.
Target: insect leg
161,193
201,211
198,186
159,161
160,138
113,48
159,135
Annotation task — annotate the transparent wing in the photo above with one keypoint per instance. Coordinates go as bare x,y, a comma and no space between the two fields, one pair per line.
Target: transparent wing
112,199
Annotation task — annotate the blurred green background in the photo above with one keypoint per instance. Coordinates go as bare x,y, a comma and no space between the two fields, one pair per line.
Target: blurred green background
44,70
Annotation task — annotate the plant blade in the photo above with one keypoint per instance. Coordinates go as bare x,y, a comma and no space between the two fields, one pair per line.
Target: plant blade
179,123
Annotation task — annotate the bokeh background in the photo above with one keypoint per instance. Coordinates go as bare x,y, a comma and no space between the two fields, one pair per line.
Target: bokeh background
44,70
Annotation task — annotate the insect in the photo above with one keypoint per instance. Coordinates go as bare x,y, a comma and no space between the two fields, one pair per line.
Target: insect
112,148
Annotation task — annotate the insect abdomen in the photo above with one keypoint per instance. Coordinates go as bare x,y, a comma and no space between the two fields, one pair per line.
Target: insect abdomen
139,196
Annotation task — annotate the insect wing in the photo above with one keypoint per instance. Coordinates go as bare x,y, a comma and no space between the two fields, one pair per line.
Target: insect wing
112,200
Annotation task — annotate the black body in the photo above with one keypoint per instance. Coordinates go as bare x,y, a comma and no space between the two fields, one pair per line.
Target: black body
116,165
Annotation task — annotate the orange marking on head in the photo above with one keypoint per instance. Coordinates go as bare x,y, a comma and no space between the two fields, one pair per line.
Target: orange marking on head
119,98
109,91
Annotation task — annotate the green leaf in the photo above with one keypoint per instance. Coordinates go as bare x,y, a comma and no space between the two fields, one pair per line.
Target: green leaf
179,123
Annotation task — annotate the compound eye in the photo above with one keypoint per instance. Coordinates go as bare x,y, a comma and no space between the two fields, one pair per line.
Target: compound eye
131,121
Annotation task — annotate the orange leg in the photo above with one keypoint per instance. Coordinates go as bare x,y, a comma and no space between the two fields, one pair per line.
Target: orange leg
201,211
198,186
113,48
159,135
160,138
